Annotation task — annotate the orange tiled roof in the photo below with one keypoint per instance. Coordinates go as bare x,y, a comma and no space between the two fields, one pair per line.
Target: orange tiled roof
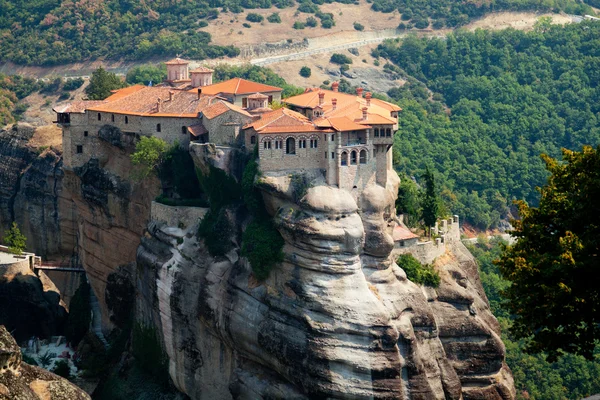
284,120
401,233
220,107
258,96
143,101
201,70
238,86
177,61
77,106
347,105
197,130
345,124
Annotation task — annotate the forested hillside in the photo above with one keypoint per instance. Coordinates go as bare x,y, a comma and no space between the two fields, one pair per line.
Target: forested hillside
50,32
570,377
511,96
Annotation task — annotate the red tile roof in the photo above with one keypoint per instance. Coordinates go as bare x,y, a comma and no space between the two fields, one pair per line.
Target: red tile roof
238,86
143,101
77,106
201,70
284,120
177,61
220,107
197,130
402,233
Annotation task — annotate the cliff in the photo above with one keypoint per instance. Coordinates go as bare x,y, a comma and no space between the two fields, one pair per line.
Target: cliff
336,319
19,380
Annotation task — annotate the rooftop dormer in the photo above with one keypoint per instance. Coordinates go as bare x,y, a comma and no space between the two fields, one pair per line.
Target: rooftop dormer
177,70
201,77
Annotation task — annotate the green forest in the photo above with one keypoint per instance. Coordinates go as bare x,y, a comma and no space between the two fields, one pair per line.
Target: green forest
570,377
52,32
481,107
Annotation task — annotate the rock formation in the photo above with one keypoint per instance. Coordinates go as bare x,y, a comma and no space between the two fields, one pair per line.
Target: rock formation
29,305
337,319
21,381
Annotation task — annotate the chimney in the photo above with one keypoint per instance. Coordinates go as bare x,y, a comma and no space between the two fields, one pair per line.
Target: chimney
171,95
321,98
359,91
368,98
334,103
158,104
334,86
199,93
364,110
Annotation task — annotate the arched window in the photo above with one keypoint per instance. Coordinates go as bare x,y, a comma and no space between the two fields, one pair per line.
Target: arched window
267,144
184,130
388,132
353,158
126,119
376,132
344,158
290,146
302,143
157,127
253,139
313,143
363,156
99,117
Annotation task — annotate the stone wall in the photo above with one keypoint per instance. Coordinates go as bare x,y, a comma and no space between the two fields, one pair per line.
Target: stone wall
177,216
225,128
426,252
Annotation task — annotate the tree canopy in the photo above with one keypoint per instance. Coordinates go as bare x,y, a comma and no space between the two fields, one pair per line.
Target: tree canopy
554,264
101,83
15,240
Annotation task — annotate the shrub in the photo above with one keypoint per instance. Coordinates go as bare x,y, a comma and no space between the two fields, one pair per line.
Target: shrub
402,26
149,154
274,18
15,240
144,74
376,63
327,24
63,96
254,17
344,68
73,84
61,368
359,27
438,24
46,359
299,25
246,25
262,244
311,22
177,172
417,272
340,59
27,359
407,15
421,23
305,72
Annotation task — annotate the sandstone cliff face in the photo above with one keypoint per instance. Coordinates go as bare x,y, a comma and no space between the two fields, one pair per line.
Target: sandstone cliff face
19,380
336,319
31,194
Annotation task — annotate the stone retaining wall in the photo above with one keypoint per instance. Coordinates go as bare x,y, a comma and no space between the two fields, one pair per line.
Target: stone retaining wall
177,216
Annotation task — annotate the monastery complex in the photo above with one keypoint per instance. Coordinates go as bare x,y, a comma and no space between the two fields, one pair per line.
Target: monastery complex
348,137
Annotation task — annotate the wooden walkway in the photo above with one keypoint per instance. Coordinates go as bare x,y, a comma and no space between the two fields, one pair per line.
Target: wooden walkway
57,266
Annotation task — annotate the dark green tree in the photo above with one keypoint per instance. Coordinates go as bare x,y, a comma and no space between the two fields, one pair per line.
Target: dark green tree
101,83
144,74
430,205
305,72
15,240
553,267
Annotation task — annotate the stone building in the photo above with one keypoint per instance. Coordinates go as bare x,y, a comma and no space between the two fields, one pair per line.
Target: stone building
347,136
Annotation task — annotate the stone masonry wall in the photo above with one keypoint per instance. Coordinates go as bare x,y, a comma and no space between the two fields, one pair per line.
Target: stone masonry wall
182,217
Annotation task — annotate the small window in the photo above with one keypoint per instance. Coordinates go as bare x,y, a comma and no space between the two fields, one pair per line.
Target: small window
253,139
267,144
376,132
388,132
290,146
85,133
333,137
79,149
332,155
157,127
99,117
126,119
353,158
244,102
112,117
270,99
344,158
313,143
302,143
184,130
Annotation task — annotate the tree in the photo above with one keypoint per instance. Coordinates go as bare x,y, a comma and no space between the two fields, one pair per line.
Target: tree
144,74
101,83
148,156
305,72
542,24
359,27
430,205
274,18
15,240
553,266
340,59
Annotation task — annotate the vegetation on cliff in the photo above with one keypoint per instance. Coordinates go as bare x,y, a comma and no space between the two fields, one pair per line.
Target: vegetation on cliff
569,377
555,259
15,240
510,96
417,272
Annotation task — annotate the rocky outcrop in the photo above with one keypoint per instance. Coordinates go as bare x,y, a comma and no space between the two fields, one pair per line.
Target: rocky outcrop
19,380
31,193
336,319
29,305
